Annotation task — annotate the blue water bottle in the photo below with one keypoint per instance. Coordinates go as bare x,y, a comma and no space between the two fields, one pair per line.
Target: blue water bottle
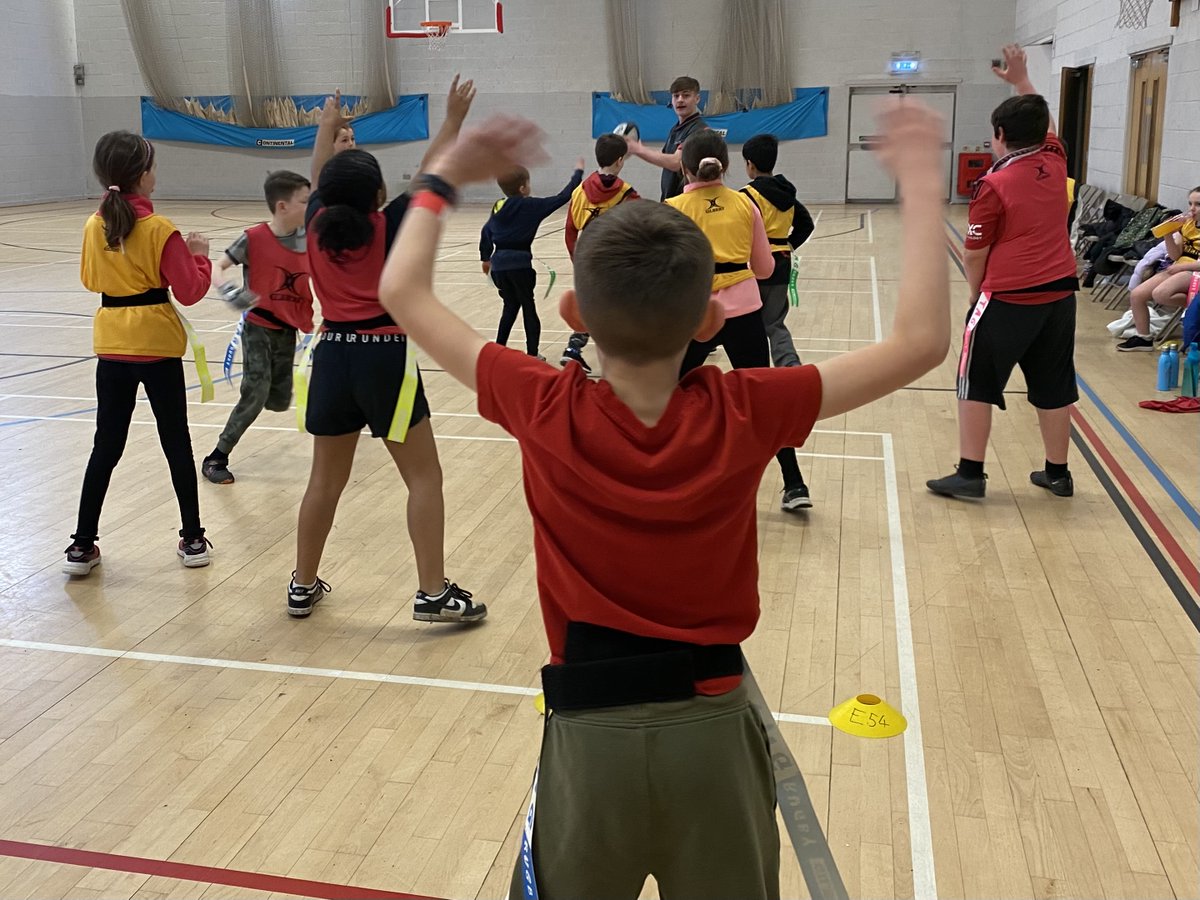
1191,373
1173,366
1164,370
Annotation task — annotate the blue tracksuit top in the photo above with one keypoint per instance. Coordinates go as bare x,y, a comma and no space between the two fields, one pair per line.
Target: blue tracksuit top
507,238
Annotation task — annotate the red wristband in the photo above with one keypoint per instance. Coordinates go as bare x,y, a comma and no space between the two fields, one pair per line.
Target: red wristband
430,201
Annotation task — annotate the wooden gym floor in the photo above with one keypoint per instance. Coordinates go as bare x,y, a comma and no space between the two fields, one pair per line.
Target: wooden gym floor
171,733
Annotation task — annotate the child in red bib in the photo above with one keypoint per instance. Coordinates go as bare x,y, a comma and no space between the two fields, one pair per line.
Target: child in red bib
275,268
642,487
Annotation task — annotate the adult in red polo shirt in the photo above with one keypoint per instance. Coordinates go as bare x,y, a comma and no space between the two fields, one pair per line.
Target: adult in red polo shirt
1021,272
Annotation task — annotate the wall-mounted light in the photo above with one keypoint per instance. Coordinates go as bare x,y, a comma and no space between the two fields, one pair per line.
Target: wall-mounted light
905,62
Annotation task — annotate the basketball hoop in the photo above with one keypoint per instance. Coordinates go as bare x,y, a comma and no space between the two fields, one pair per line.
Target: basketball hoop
1133,14
437,33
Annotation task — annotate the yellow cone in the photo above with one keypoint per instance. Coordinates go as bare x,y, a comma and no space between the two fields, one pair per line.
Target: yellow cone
539,703
867,716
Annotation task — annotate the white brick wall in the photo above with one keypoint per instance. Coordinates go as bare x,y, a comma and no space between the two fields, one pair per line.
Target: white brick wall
1085,33
42,139
546,66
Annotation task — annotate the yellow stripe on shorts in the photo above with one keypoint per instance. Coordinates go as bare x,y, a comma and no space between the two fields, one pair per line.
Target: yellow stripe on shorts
398,430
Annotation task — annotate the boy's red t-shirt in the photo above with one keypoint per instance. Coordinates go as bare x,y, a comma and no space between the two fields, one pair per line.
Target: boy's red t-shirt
652,531
1017,210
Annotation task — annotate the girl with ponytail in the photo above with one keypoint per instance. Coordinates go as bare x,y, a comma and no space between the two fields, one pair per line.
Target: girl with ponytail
363,370
131,256
742,253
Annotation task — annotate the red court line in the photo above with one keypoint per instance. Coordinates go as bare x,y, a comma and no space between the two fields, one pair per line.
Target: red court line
254,881
954,248
1186,567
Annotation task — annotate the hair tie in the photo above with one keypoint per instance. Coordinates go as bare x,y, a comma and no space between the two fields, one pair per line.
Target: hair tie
113,187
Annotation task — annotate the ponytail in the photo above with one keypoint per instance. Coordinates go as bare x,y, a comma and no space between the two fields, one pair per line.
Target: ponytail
118,216
710,169
349,186
120,160
705,155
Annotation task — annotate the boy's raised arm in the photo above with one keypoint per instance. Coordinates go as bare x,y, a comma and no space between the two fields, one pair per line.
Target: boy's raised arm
406,286
912,150
458,104
327,129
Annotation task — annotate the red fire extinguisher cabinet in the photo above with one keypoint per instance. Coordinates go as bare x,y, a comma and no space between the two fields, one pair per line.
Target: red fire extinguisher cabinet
970,167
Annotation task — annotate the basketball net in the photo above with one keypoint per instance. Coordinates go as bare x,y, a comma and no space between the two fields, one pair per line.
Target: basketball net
1134,13
437,34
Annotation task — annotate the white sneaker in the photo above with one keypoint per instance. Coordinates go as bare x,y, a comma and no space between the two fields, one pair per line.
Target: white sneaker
194,553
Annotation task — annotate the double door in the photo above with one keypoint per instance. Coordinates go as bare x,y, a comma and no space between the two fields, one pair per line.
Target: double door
866,180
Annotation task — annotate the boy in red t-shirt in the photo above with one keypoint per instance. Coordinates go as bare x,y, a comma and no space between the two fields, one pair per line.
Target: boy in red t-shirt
275,266
1020,271
643,490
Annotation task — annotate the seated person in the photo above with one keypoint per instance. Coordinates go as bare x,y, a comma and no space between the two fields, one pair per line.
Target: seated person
1170,287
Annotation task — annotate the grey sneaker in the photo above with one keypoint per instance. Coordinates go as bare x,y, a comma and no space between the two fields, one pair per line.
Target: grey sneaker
959,486
795,498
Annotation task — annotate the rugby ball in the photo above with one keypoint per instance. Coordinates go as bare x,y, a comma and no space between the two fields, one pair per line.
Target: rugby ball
627,130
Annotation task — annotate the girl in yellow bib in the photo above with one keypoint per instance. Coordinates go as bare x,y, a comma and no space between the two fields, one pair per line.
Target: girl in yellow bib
742,254
1170,286
130,256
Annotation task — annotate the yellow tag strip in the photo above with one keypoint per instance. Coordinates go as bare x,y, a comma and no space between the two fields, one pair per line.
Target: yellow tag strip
300,379
206,382
398,430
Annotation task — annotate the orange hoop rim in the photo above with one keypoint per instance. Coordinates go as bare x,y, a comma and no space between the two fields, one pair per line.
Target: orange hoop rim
437,29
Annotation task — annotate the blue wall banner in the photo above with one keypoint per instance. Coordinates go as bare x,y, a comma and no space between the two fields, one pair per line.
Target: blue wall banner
408,120
805,117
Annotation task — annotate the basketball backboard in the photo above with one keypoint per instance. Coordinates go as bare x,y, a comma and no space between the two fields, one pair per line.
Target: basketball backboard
403,18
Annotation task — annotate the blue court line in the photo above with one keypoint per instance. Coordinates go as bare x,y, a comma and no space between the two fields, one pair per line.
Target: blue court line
1139,451
80,412
955,230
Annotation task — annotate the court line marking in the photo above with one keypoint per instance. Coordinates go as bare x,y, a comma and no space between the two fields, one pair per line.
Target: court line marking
870,226
876,318
919,831
68,417
217,330
181,871
7,396
318,672
86,315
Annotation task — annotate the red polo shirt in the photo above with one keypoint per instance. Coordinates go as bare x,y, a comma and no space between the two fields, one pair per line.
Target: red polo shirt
648,530
1017,211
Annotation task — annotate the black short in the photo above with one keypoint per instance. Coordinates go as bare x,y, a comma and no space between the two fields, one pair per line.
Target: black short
355,382
1040,338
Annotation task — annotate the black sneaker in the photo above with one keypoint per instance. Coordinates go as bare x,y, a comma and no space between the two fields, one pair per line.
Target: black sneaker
571,354
1137,342
194,553
959,486
795,498
80,560
453,604
1059,487
216,470
302,599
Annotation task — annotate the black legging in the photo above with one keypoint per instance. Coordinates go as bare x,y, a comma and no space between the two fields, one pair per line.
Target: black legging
116,397
516,290
745,341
